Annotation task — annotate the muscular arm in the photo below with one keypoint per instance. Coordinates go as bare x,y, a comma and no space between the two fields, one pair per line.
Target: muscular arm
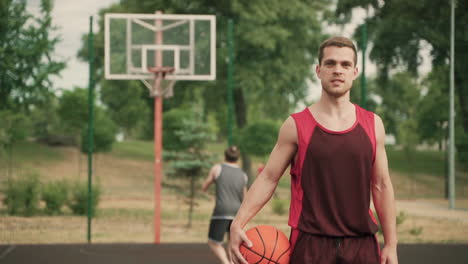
264,185
383,197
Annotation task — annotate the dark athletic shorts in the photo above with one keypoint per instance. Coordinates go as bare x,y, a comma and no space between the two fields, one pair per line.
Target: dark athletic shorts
312,249
218,227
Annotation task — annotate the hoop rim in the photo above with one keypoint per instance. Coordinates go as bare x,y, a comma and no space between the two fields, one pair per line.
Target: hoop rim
161,69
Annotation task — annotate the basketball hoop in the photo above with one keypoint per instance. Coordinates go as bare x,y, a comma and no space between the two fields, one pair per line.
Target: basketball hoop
174,47
161,85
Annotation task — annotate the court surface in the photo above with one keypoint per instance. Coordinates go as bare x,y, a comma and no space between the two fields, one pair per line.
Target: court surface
187,254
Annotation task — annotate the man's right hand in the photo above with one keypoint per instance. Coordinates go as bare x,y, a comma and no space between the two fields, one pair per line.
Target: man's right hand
237,236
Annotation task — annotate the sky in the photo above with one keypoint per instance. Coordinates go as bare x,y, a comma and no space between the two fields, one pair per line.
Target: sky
72,19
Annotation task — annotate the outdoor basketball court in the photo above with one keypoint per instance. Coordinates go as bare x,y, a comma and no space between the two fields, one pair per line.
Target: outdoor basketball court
187,254
158,50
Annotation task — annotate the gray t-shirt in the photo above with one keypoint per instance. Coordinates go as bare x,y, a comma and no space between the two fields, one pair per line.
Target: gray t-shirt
230,184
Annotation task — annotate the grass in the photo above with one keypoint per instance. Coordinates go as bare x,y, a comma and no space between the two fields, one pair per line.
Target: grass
422,174
126,211
31,152
134,149
421,162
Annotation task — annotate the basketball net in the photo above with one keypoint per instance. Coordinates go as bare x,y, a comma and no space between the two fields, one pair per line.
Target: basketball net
161,86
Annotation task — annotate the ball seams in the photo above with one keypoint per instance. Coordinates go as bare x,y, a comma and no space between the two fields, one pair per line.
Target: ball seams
262,255
258,254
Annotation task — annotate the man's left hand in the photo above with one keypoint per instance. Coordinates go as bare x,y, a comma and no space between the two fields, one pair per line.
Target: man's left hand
389,255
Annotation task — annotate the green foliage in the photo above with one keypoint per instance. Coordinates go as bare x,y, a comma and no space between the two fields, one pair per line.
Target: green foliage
371,88
22,195
279,206
73,109
74,115
400,99
174,123
78,202
104,133
134,149
401,217
408,136
192,161
47,126
461,143
432,112
26,47
54,195
126,105
275,44
431,163
416,231
258,138
399,30
15,127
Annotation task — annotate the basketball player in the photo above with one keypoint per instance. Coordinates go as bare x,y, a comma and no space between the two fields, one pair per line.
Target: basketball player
231,186
337,156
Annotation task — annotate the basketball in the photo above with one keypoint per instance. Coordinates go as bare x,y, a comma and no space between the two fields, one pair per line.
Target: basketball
269,246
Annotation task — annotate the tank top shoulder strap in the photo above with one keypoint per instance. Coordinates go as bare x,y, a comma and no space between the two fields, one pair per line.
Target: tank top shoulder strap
367,121
305,125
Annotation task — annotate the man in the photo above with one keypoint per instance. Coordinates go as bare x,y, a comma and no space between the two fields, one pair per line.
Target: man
231,186
338,160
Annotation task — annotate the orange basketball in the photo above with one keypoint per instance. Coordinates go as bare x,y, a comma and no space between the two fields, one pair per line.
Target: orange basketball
269,246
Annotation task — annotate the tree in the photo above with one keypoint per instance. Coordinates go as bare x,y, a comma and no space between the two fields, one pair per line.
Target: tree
275,46
74,115
258,138
103,134
433,109
73,110
190,161
26,60
399,29
175,120
125,102
400,98
15,128
372,97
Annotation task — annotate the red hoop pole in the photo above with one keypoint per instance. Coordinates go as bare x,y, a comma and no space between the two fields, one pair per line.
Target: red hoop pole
157,138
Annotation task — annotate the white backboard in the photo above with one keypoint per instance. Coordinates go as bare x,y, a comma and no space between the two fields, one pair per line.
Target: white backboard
136,42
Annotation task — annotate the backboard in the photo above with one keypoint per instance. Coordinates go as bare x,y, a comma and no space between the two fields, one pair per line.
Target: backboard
135,43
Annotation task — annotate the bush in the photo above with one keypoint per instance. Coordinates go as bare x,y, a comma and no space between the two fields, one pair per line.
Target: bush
258,138
104,133
78,202
54,194
279,206
416,231
401,217
22,195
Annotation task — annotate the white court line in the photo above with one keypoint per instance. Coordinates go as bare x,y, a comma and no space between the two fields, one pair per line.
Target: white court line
8,250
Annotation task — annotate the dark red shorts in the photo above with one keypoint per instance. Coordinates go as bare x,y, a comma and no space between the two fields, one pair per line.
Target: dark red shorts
313,249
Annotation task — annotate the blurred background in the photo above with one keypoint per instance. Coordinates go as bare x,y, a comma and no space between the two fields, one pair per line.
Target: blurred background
403,57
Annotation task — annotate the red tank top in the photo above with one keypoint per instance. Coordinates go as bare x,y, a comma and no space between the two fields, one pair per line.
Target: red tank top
331,177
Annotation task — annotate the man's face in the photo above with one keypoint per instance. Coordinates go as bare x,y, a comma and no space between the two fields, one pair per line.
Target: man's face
337,70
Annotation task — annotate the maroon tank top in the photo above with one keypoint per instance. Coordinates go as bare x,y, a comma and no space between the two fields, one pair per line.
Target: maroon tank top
331,177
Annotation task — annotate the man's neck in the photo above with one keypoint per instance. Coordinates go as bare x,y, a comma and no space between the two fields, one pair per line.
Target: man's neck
334,106
231,163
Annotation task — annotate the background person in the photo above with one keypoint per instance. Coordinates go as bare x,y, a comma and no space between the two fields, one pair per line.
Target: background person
231,185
